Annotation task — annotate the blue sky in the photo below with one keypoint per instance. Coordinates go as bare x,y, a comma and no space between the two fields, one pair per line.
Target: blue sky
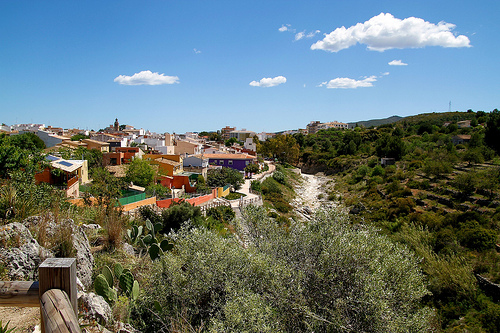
182,66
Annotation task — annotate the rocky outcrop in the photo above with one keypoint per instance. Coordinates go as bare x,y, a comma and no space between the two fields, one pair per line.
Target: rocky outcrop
94,307
20,252
84,258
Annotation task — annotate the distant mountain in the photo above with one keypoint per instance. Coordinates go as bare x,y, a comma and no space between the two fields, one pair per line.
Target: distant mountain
375,122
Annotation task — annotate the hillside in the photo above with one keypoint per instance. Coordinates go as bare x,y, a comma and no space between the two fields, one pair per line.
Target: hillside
375,122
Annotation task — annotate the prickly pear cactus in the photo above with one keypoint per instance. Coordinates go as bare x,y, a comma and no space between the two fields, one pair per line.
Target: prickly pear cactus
118,270
126,282
135,290
165,246
103,289
106,271
154,251
158,226
149,226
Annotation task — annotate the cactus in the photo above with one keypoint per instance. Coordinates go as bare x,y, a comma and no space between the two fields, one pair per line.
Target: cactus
106,271
165,246
126,282
149,226
154,251
148,239
158,226
134,233
103,289
118,270
135,290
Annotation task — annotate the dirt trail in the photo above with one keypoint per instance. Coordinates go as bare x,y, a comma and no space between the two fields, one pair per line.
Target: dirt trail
24,319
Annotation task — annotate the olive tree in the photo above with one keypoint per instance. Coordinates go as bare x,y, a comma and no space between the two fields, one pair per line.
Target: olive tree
323,276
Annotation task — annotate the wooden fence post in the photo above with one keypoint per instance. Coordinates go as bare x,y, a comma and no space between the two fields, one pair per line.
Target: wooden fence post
59,273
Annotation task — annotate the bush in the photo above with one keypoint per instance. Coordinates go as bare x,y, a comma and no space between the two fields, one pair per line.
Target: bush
378,171
255,186
224,214
294,279
269,185
478,238
279,177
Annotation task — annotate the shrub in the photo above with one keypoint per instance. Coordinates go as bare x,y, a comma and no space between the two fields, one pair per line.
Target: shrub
224,214
279,177
478,238
255,185
285,280
269,185
378,171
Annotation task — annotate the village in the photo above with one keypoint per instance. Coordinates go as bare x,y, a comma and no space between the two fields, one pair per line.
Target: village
178,159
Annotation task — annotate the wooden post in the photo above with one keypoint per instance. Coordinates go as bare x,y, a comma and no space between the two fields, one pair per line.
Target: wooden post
59,273
19,293
57,314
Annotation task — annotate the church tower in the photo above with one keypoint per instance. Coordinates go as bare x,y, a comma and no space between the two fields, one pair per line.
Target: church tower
117,126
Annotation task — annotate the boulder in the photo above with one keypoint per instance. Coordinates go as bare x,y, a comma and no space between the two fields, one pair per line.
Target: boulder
125,328
21,252
94,307
128,249
84,258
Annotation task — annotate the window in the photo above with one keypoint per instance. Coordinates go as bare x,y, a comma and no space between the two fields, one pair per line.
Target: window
221,162
230,162
247,162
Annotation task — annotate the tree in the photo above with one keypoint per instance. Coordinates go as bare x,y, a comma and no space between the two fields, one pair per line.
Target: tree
231,141
105,187
20,152
78,137
390,146
282,147
492,134
323,276
222,177
178,213
28,141
252,168
140,172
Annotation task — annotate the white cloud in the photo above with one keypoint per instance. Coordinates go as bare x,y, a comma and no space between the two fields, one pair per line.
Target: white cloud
269,82
385,73
196,51
312,34
302,34
146,78
384,32
347,83
285,27
397,63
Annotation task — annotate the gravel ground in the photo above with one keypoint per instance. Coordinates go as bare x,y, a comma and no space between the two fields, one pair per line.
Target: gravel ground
312,194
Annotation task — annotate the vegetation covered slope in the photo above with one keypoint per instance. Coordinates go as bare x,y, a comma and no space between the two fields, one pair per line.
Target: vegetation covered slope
440,198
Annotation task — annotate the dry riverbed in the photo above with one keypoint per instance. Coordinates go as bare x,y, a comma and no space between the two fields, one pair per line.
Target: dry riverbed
312,194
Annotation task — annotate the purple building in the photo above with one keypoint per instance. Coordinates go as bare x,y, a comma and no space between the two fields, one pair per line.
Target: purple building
233,161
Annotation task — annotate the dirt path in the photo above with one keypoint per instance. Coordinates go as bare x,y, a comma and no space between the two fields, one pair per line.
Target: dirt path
24,319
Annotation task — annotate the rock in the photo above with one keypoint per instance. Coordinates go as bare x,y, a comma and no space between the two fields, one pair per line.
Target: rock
94,307
125,328
307,210
128,249
21,252
84,258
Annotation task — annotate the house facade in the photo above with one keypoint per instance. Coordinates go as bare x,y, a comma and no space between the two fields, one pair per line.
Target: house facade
64,174
233,161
